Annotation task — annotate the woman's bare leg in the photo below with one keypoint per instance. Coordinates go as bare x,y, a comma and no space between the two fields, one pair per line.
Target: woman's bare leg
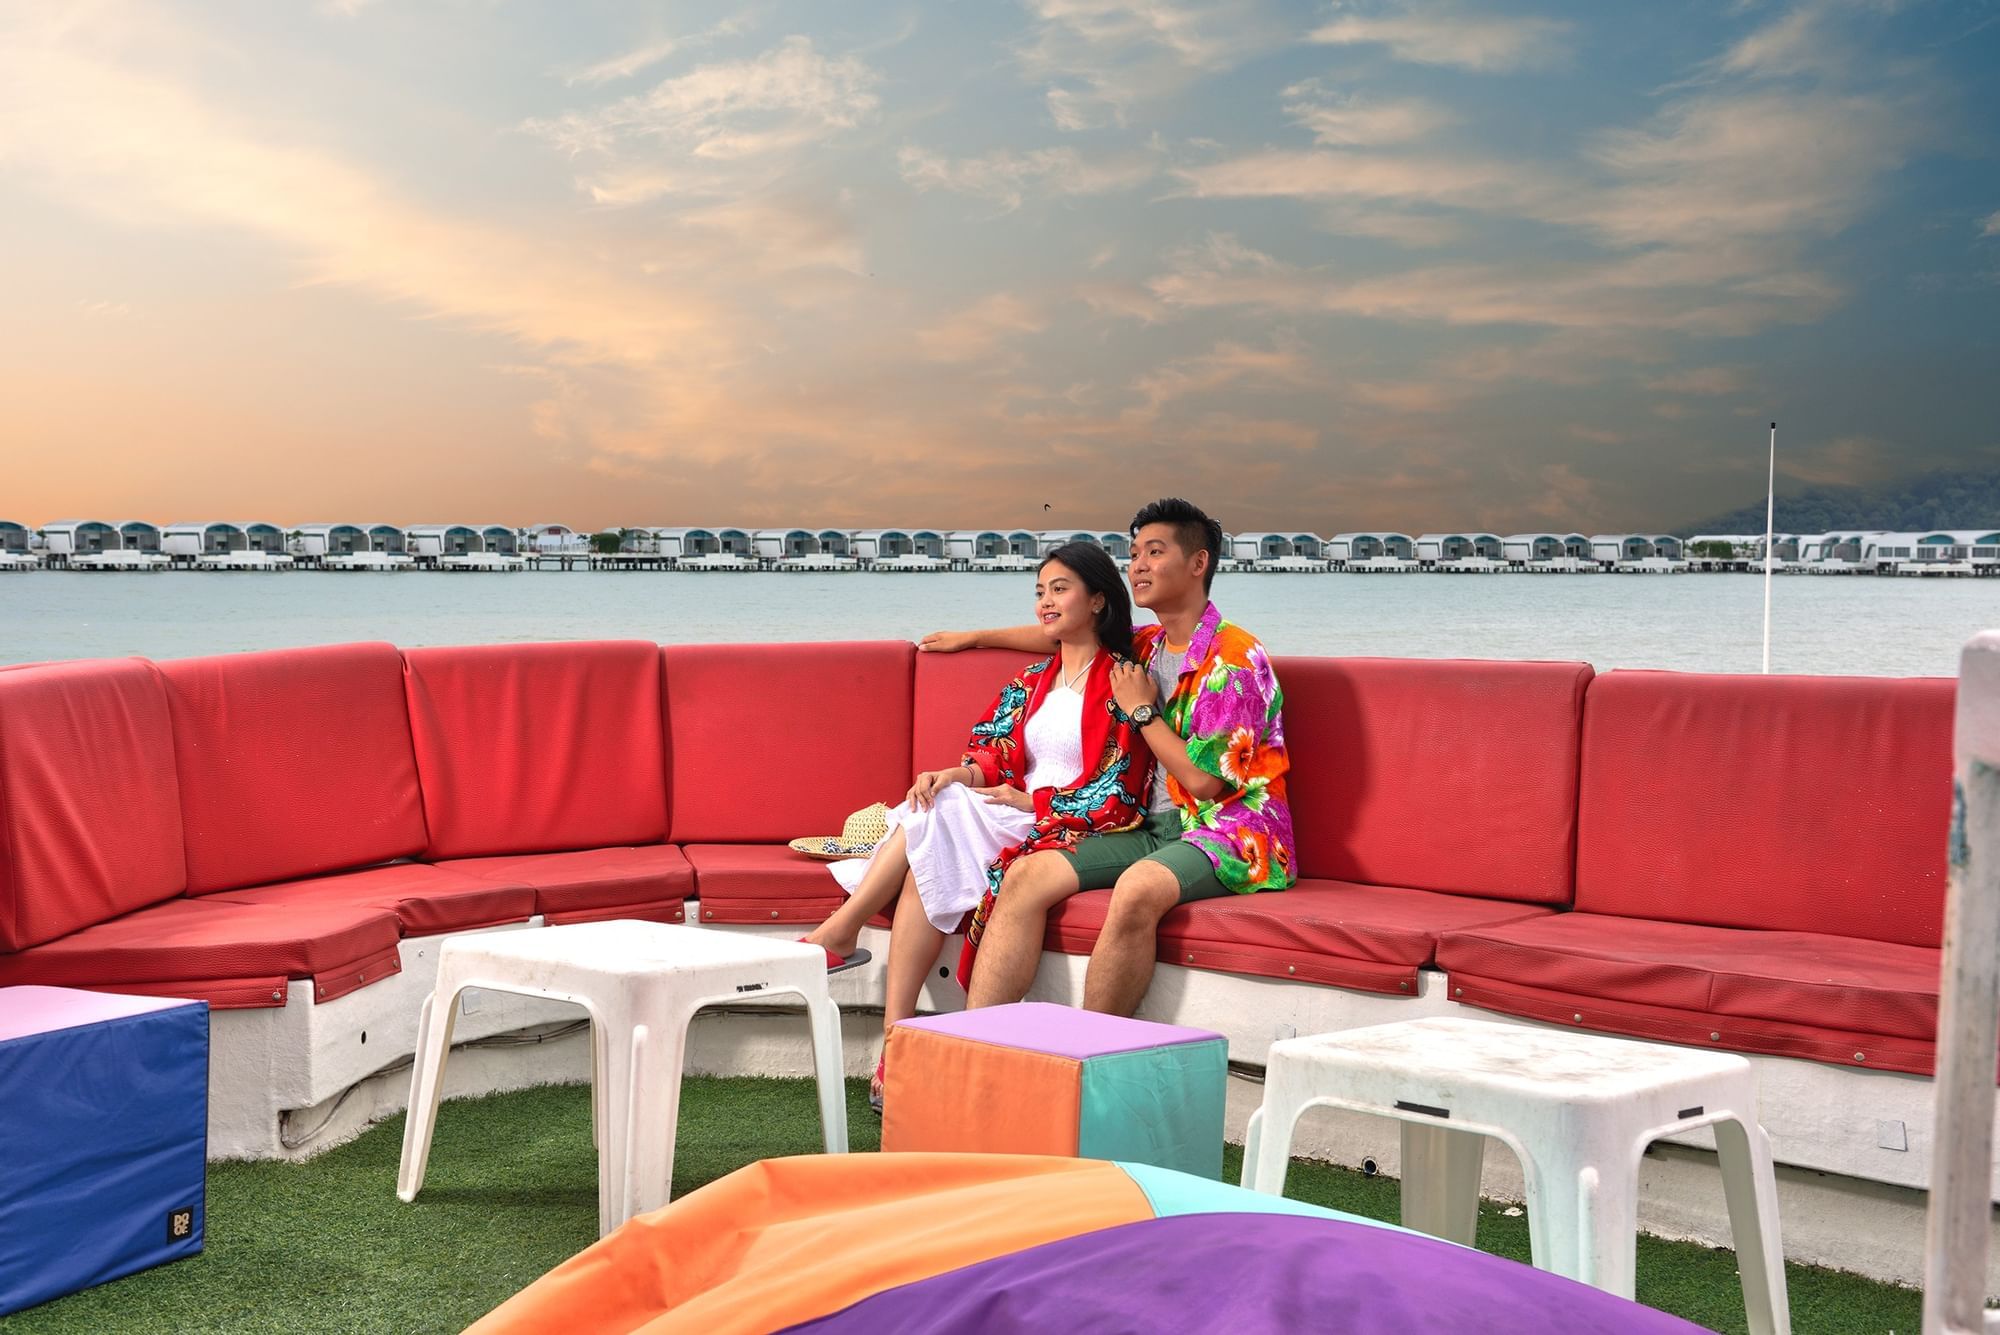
841,931
913,950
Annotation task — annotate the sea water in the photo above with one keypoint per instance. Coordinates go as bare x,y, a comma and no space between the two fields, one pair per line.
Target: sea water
1709,622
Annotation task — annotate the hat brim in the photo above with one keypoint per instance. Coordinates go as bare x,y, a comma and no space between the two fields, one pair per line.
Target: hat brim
830,849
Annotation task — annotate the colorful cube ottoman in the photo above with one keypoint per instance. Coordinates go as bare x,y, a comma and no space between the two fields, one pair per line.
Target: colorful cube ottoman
104,1113
1035,1078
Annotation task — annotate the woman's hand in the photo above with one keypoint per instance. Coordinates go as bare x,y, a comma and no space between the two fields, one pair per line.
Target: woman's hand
1003,796
923,793
1132,686
948,641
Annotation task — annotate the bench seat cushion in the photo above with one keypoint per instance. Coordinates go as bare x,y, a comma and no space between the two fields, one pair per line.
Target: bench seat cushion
233,956
1371,938
293,763
425,900
90,817
1796,994
764,883
652,882
528,748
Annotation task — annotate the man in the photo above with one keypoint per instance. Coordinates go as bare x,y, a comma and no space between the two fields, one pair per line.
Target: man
1209,705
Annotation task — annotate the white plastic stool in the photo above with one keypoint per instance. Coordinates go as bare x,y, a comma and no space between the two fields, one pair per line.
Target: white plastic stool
1579,1110
642,982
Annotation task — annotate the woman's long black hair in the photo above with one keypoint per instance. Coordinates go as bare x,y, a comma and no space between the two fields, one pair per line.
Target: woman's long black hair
1099,573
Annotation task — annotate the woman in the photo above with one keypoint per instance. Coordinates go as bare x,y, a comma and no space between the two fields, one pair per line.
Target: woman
1052,762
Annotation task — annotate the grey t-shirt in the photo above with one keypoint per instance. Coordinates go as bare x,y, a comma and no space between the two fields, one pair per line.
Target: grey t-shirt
1166,672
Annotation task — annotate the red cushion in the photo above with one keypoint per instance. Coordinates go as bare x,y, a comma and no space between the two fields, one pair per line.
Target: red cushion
761,883
426,900
293,763
769,742
953,692
1437,774
230,955
90,822
535,748
1369,937
1802,994
596,883
1814,804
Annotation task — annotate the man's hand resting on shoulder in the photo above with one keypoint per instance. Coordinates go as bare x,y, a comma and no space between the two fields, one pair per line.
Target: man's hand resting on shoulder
948,641
1022,639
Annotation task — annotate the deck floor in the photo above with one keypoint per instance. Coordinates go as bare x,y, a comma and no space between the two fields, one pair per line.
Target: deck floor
326,1246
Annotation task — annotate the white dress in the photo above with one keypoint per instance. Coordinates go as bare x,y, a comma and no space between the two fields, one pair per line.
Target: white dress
951,845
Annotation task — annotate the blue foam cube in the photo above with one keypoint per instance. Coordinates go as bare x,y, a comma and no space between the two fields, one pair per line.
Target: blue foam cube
104,1113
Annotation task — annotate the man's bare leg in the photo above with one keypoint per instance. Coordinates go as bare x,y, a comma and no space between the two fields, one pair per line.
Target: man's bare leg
841,932
1121,964
913,948
1011,949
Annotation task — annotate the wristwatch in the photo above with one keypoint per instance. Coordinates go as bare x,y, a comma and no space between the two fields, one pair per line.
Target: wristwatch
1143,715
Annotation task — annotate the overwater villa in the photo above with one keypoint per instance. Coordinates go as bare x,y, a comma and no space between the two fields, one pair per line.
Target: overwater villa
1277,552
68,538
1566,553
554,540
1050,539
17,547
684,544
1637,553
798,549
1461,553
462,547
1959,552
224,545
1372,552
1833,553
974,548
899,549
1117,544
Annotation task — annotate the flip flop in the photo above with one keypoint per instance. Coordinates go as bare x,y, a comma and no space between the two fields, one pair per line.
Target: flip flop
837,964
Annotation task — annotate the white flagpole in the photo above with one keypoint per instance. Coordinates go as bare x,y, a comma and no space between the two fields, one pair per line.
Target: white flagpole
1770,518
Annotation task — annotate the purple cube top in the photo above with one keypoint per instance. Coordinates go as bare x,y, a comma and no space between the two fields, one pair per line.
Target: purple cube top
41,1010
1060,1031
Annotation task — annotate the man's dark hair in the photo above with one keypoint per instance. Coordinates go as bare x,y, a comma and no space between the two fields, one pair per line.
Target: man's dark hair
1193,530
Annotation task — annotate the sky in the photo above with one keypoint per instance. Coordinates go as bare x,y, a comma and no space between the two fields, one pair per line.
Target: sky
1323,266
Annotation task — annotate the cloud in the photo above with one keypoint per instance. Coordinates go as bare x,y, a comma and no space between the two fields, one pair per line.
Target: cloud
1352,121
1991,226
1099,59
1441,35
1706,380
1005,176
1594,435
1225,365
976,333
788,97
648,54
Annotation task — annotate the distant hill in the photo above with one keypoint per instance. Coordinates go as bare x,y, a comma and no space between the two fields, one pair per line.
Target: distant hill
1934,500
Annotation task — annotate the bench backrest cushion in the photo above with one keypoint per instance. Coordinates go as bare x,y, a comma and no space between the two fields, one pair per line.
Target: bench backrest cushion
953,692
769,742
293,763
537,748
1815,804
1435,774
90,820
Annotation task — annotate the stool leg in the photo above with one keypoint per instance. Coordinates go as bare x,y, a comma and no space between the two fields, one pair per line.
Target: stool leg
426,1083
829,1069
1441,1181
1280,1115
1253,1130
1586,1228
652,1119
1750,1186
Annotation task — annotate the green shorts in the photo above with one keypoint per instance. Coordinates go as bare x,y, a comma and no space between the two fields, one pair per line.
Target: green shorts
1099,858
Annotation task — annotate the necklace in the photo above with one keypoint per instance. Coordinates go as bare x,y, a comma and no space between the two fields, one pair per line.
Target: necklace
1069,683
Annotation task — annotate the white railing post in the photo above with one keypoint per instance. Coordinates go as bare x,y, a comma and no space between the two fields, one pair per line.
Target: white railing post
1968,1011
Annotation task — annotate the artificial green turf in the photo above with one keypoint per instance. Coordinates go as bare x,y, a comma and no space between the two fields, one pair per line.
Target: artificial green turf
512,1190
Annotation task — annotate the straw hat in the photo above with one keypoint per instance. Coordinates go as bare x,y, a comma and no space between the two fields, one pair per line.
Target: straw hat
858,836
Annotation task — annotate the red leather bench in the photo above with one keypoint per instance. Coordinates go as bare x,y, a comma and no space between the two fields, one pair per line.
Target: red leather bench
1760,866
1756,863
